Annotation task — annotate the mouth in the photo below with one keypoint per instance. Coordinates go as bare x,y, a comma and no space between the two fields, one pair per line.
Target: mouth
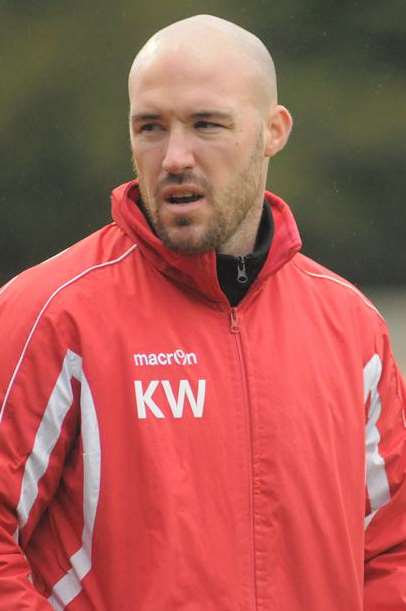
188,198
182,194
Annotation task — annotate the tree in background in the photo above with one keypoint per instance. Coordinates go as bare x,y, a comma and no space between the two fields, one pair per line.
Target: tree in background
63,122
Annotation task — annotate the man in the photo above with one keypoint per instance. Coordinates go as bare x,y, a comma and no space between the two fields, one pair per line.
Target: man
195,416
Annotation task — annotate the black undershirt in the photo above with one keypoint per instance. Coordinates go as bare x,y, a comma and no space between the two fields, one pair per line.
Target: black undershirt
236,274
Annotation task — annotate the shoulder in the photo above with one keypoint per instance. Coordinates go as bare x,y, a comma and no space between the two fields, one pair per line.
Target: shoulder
50,288
39,285
333,285
336,304
35,306
330,295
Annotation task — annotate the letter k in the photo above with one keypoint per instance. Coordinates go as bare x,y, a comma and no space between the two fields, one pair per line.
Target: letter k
144,399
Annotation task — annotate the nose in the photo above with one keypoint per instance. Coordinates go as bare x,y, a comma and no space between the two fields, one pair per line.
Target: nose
178,154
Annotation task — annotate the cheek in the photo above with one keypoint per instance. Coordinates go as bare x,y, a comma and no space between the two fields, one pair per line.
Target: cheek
147,163
220,163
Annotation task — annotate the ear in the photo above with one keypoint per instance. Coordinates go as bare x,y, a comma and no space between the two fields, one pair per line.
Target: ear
278,130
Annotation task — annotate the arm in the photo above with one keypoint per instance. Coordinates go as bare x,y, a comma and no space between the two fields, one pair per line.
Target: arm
385,534
35,434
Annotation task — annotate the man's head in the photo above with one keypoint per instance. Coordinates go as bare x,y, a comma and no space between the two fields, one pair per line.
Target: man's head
204,121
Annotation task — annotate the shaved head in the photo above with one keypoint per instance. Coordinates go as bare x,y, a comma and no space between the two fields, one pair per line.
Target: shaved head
205,38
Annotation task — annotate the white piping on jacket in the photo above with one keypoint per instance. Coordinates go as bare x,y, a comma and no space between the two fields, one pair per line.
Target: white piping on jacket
44,307
342,283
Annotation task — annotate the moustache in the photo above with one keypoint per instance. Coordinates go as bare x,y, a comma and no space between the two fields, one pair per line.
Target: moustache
180,179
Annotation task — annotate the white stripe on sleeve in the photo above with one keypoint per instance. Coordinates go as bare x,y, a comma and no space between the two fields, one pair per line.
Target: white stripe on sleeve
376,477
47,436
61,399
69,586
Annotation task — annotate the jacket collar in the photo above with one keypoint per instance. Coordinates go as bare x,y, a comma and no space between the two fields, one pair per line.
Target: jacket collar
198,271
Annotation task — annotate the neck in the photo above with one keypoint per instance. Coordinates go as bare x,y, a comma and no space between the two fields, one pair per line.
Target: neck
242,242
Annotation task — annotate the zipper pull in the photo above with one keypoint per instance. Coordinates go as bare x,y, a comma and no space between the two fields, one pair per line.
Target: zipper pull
242,277
234,327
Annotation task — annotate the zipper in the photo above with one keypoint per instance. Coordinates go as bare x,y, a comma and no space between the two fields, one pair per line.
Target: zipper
242,276
235,330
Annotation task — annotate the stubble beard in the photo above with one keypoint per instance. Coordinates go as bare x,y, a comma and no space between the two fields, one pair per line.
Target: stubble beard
228,210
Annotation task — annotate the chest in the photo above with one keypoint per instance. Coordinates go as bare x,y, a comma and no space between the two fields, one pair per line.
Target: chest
171,369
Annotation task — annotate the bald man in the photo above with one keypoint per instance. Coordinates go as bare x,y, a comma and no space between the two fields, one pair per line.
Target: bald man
194,415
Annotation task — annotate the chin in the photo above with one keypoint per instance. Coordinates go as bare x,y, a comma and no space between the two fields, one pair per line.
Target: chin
187,244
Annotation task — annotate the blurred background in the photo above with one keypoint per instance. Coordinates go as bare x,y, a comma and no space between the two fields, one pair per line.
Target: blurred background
342,73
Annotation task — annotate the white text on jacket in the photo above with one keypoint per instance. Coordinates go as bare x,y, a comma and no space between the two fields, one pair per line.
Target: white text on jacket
145,401
178,357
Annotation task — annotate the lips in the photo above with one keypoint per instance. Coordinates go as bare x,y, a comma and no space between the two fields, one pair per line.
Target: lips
184,194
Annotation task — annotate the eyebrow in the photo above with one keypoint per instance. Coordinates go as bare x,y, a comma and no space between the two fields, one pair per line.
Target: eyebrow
203,114
210,114
145,116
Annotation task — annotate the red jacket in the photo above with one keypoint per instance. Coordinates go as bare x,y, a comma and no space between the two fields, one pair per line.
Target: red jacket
161,451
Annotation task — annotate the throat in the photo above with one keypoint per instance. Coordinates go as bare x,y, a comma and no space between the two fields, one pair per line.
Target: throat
237,274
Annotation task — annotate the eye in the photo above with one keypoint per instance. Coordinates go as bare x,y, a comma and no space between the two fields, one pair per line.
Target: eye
207,125
150,127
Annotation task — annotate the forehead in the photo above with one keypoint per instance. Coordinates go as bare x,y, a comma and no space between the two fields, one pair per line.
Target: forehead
188,76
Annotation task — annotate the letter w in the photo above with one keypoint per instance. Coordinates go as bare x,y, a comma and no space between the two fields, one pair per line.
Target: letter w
177,405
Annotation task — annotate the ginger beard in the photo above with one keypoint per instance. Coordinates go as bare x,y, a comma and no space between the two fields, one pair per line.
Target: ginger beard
202,230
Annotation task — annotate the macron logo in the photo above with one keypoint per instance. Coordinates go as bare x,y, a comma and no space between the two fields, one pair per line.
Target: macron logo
179,357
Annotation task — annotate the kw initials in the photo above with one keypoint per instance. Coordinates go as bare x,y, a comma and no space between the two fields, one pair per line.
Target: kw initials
145,401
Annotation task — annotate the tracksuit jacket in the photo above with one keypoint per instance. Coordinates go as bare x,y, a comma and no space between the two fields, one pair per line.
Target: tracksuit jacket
163,451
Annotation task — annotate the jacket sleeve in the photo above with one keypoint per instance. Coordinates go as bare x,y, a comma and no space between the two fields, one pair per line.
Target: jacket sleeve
34,441
385,523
